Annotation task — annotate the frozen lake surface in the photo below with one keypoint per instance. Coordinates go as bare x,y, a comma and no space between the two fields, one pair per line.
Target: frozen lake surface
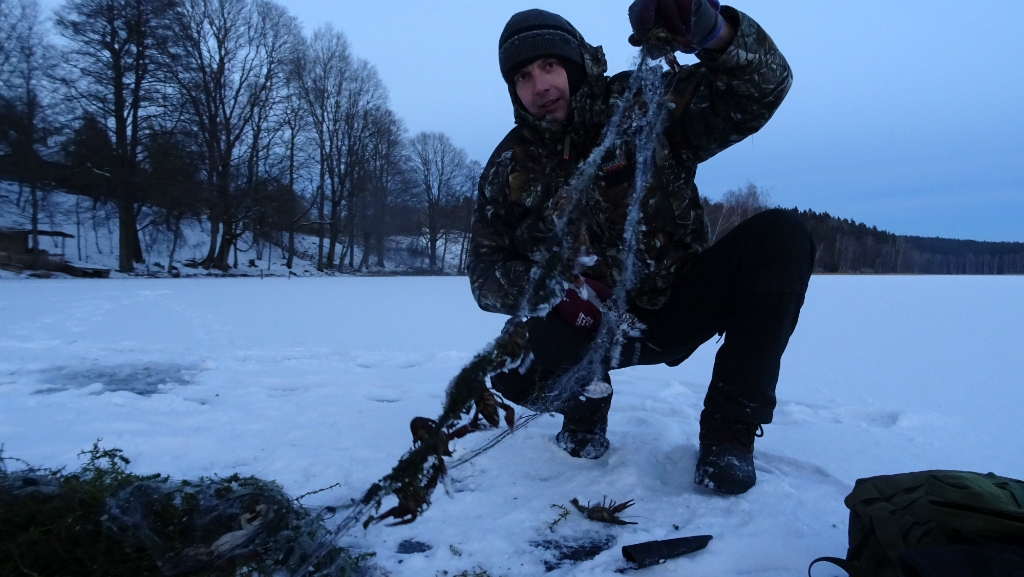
312,382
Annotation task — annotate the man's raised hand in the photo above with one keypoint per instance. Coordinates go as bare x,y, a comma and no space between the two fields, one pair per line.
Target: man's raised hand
694,22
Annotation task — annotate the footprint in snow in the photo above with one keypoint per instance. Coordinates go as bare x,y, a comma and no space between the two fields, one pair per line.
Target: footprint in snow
386,360
796,413
774,464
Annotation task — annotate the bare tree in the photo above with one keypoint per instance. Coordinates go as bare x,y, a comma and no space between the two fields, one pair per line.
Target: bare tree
340,93
223,58
10,22
462,217
737,205
438,168
24,126
322,76
296,124
267,163
384,182
110,52
364,92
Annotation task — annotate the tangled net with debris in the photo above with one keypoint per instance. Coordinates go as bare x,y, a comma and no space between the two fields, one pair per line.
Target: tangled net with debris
103,520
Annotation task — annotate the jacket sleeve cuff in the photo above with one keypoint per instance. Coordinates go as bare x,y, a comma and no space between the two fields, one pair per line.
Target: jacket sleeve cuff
745,47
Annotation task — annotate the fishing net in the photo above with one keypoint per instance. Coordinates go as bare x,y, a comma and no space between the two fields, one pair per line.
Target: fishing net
103,520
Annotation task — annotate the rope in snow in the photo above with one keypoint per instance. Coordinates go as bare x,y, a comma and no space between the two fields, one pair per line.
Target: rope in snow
521,423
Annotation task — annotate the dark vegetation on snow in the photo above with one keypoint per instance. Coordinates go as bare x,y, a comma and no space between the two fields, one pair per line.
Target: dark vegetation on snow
104,521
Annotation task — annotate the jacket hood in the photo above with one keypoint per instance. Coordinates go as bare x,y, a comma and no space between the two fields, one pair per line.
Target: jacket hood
588,107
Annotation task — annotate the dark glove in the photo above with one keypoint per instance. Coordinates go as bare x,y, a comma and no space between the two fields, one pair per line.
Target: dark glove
694,22
581,306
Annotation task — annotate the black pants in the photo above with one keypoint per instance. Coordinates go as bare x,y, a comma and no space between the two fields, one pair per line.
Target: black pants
749,286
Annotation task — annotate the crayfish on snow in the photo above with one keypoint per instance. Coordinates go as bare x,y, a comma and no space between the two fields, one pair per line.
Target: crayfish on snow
604,513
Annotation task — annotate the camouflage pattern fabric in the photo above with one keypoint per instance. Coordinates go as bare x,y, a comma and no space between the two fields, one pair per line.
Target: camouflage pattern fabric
713,104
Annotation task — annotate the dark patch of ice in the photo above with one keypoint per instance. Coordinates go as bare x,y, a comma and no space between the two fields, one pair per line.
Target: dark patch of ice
141,379
410,546
566,551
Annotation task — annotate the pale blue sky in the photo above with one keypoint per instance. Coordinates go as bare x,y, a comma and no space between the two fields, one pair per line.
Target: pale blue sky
906,115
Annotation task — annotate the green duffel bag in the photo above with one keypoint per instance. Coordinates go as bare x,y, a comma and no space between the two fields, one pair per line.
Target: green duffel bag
896,521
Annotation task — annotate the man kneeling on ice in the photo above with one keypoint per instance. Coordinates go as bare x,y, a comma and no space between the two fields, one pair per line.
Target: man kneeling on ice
748,286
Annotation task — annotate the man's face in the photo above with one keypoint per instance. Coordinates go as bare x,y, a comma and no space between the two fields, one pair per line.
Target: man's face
543,88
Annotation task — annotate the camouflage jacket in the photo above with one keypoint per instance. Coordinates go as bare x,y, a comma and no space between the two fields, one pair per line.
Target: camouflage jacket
712,105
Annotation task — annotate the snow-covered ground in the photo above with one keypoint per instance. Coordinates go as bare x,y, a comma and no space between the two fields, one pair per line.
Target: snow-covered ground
313,382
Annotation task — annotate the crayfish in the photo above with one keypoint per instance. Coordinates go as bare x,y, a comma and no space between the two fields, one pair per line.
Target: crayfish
418,472
604,513
487,405
484,416
414,496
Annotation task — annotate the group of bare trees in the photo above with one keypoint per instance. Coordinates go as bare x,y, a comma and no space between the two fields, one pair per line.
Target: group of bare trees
736,206
221,110
24,55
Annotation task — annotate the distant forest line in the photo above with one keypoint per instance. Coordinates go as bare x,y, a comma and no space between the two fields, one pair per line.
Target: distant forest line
843,246
848,247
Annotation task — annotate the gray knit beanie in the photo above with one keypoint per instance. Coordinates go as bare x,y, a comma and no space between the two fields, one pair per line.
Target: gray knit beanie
533,34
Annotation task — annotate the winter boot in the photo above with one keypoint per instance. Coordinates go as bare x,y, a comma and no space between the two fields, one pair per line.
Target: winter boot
583,443
726,460
585,425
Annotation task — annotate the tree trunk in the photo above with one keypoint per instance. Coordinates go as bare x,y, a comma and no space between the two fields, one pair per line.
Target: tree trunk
364,261
78,226
127,236
291,249
214,237
462,253
34,199
380,250
351,243
332,243
444,253
333,230
134,233
320,226
432,248
174,245
224,250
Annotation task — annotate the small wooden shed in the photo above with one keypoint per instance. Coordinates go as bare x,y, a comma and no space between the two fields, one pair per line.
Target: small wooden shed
16,254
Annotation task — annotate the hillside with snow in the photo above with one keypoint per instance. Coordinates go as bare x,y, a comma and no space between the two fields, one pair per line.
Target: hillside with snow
312,382
94,228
